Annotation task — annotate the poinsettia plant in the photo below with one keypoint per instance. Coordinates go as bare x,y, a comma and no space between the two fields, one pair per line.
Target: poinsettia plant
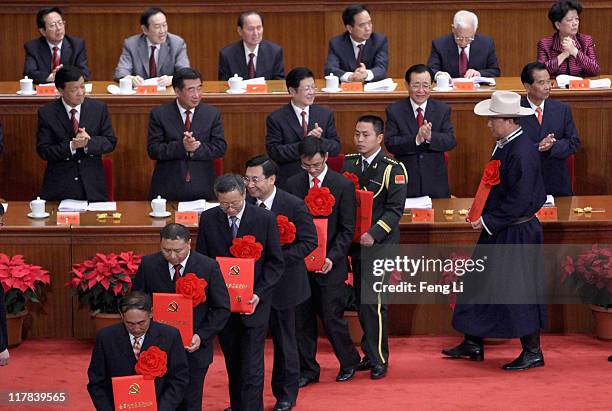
101,281
22,282
590,273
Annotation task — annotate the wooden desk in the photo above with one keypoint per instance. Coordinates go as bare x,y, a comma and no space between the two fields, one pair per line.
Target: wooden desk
57,248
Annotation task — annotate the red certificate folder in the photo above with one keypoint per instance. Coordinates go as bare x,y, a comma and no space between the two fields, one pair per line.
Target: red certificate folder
133,392
238,274
175,310
363,218
316,259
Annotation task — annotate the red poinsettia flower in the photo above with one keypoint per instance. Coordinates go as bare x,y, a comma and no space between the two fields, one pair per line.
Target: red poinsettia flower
152,363
193,287
320,201
22,282
353,177
246,247
286,229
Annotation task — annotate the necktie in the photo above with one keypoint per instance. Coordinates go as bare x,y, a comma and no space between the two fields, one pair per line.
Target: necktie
74,121
177,272
365,165
539,114
315,182
419,117
251,66
304,123
136,347
262,205
187,120
234,226
359,54
152,64
463,62
55,60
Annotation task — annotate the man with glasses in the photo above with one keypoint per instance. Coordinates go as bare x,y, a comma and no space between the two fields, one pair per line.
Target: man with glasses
159,272
243,338
184,138
155,53
328,298
463,53
53,49
287,126
418,133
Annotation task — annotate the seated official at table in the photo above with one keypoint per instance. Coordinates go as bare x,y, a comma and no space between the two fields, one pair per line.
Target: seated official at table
418,132
252,56
119,346
552,129
54,48
463,52
73,134
184,138
567,51
154,53
359,54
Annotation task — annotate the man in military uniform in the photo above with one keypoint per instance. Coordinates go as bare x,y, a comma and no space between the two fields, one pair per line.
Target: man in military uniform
387,179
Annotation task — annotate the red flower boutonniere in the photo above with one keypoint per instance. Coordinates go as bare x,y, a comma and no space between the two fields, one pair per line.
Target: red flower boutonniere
491,173
153,362
286,229
191,286
320,201
353,177
246,247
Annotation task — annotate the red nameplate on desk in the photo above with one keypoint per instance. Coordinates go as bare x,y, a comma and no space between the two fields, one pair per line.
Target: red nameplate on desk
186,217
584,84
463,85
547,214
363,216
422,215
68,218
315,260
146,89
238,274
356,87
46,90
257,88
175,310
133,392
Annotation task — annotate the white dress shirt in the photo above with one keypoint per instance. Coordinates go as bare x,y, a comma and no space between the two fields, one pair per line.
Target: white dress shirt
268,201
182,270
345,76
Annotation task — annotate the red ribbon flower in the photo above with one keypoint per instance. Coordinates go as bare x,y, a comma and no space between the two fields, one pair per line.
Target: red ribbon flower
286,229
490,176
152,362
191,286
246,247
353,177
320,201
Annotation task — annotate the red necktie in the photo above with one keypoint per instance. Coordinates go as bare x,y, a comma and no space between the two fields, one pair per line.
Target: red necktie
463,62
315,182
74,121
262,205
304,123
539,113
187,120
55,60
251,66
152,64
177,272
136,347
419,117
359,54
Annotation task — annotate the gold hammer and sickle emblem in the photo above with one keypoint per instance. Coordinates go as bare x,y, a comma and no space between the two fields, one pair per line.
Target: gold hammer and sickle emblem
239,298
173,307
312,258
134,389
234,270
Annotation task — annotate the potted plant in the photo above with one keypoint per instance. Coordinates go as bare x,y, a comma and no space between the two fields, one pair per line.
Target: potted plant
590,273
22,283
100,282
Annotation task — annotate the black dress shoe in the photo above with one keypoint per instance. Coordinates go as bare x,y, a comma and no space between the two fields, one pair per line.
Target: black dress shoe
378,371
345,375
228,409
526,360
282,406
304,381
467,350
364,365
610,358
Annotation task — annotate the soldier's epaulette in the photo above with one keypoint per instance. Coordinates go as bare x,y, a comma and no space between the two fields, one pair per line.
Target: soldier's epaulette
352,155
390,160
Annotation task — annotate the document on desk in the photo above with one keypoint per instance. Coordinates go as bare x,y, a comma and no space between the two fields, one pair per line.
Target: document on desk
386,85
102,206
70,205
423,202
197,205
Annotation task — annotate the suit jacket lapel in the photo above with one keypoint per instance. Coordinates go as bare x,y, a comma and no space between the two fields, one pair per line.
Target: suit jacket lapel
224,227
349,52
292,120
240,58
143,53
303,185
245,221
163,58
177,120
262,58
63,117
126,348
453,56
66,52
410,119
530,123
45,53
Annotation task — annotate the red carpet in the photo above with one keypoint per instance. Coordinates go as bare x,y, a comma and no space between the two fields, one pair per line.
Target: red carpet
577,375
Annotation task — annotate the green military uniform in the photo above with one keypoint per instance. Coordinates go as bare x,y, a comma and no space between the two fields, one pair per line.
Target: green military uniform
387,179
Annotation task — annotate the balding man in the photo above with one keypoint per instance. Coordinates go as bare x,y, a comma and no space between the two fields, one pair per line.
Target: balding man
463,53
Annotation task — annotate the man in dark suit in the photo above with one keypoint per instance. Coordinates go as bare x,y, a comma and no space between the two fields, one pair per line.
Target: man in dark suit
328,298
463,53
153,53
287,126
158,273
293,288
243,338
185,136
418,133
386,178
118,346
73,134
252,56
53,49
358,54
551,128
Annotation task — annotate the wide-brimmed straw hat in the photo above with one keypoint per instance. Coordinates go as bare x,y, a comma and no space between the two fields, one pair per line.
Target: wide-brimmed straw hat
502,104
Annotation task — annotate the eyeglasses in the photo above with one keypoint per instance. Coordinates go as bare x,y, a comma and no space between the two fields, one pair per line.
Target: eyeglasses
308,88
417,86
236,205
470,39
315,166
56,24
254,180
